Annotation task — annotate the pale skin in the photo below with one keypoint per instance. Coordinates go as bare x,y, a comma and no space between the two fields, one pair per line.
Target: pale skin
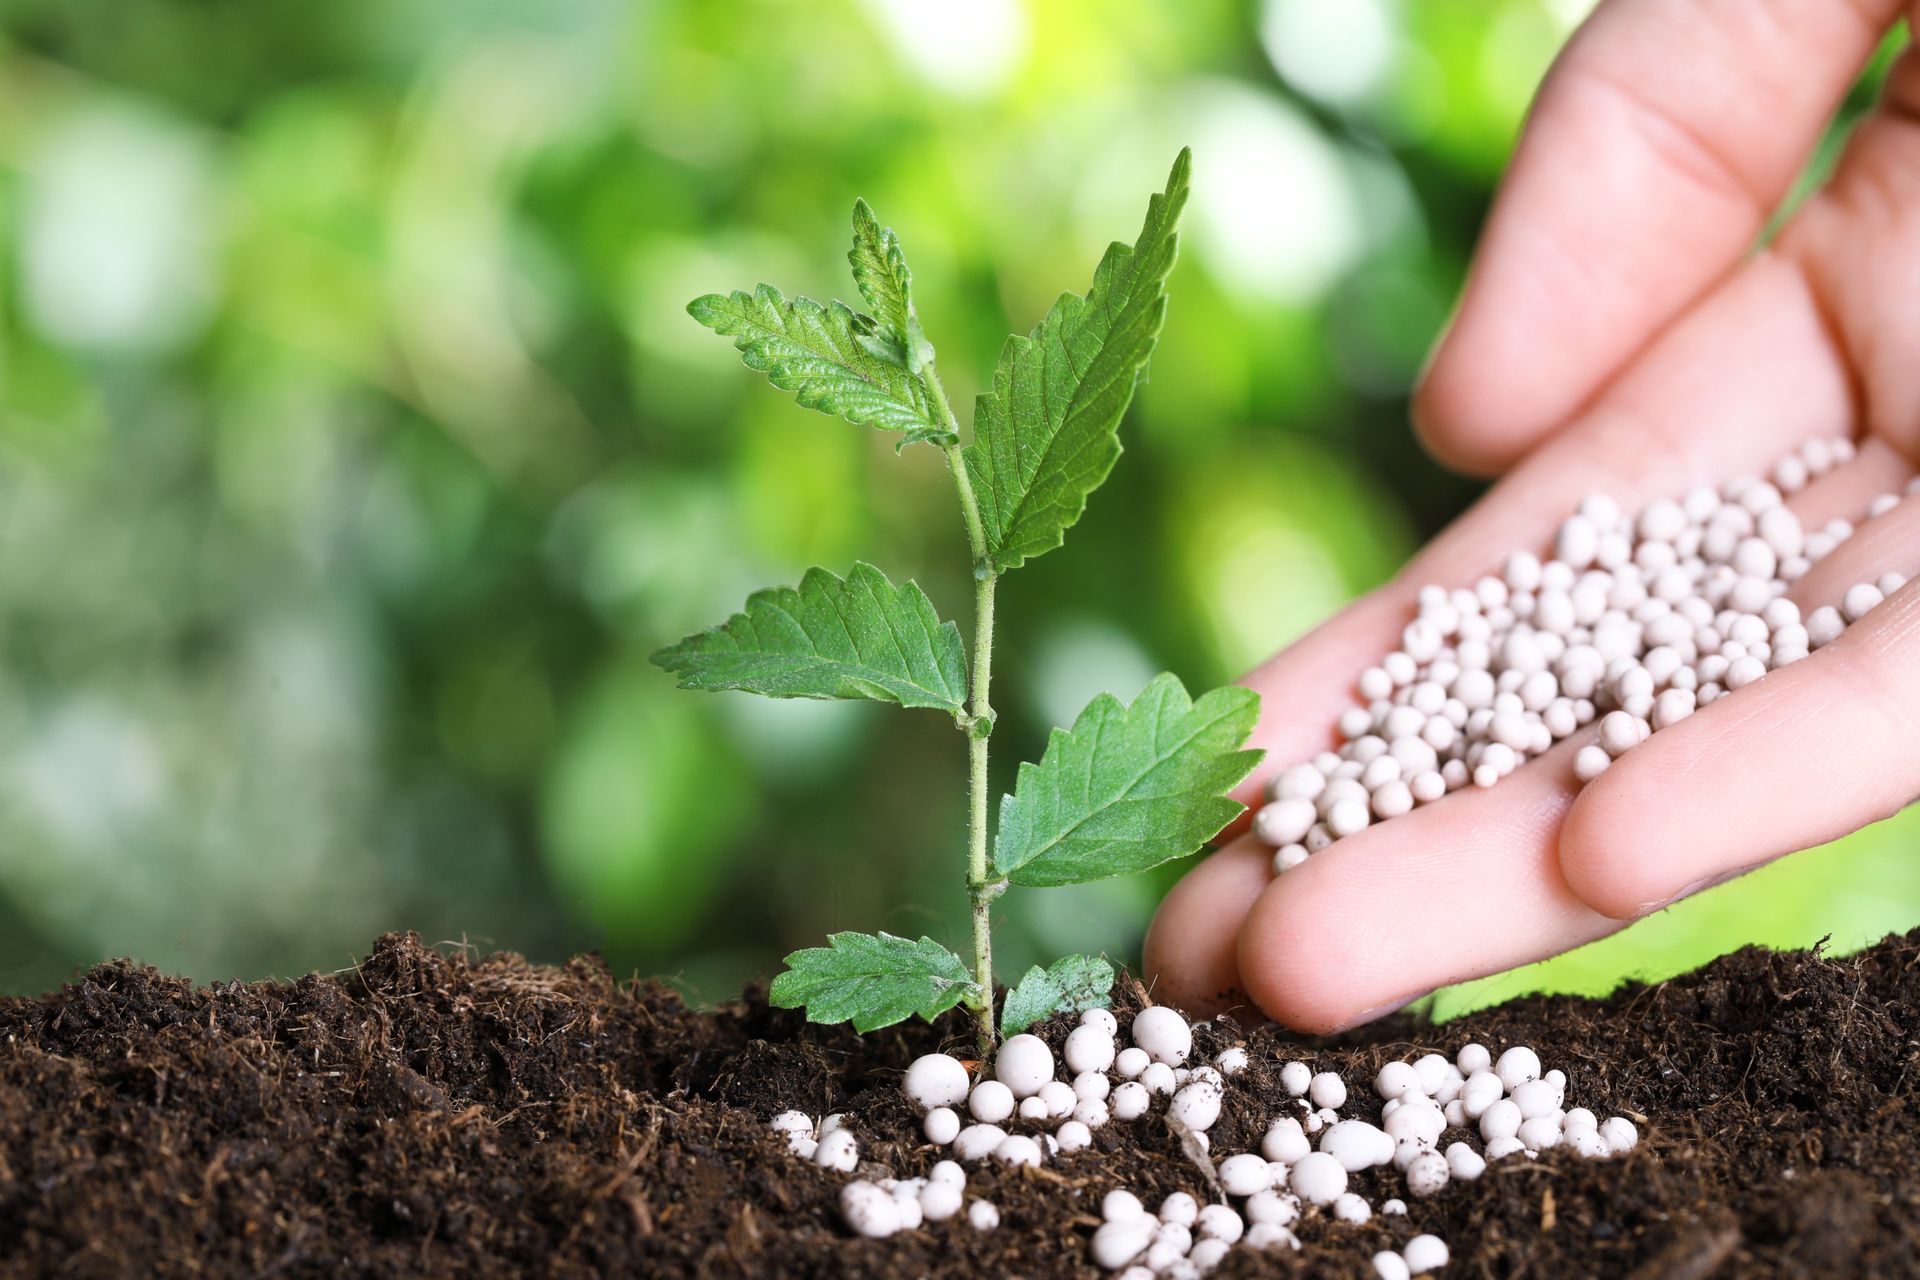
1620,334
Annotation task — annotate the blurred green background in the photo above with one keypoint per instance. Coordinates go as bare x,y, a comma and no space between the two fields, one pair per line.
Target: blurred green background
355,449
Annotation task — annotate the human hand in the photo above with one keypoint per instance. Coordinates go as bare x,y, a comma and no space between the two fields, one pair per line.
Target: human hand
1617,335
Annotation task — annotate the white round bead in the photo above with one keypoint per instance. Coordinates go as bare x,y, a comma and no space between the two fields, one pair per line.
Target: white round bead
1500,1120
1587,1144
1357,1145
1272,1206
977,1141
792,1122
1164,1034
936,1080
940,1201
1018,1149
1425,1253
1243,1175
1092,1086
1267,1235
1023,1064
1327,1090
1388,1265
868,1210
1536,1098
1197,1106
1285,821
991,1101
1285,1141
1590,762
1303,781
1861,599
837,1150
1159,1078
1219,1222
1464,1163
941,1126
1129,1101
1517,1066
1539,1134
1059,1097
1088,1049
1427,1174
1317,1178
1117,1243
1620,1134
1203,1257
1179,1208
1348,1207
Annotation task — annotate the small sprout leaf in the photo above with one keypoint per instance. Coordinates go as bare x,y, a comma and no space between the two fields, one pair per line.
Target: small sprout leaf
1047,434
1071,984
872,980
880,270
854,637
832,359
1127,788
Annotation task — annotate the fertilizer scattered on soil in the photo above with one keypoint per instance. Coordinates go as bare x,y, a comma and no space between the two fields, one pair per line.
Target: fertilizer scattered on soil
1262,1199
431,1113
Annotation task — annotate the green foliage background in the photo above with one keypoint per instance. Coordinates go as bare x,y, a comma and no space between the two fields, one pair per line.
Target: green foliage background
356,447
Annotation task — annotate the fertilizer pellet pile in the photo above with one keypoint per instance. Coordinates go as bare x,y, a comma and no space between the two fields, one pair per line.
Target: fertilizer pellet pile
1435,1122
1636,622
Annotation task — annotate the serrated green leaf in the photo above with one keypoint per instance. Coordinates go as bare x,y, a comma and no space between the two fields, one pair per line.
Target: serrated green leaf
880,270
872,980
832,359
1127,788
1071,984
1047,434
831,637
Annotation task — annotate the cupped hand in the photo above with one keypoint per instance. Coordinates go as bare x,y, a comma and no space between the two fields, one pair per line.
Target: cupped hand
1620,334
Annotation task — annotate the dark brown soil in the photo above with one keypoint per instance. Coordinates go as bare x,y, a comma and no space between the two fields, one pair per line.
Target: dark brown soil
440,1114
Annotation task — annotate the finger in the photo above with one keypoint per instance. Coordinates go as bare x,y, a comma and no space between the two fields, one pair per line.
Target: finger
1858,241
1455,890
1662,140
1816,749
1188,956
1755,355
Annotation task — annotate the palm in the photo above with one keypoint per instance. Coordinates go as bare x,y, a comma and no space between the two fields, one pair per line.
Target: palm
1616,337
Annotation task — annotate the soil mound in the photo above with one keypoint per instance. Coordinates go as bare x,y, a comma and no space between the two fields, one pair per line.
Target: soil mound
435,1113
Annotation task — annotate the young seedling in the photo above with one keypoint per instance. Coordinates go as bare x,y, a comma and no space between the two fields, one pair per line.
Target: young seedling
1127,787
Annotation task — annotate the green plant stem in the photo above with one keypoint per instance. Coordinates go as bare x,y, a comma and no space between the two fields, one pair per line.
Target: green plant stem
978,726
979,890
